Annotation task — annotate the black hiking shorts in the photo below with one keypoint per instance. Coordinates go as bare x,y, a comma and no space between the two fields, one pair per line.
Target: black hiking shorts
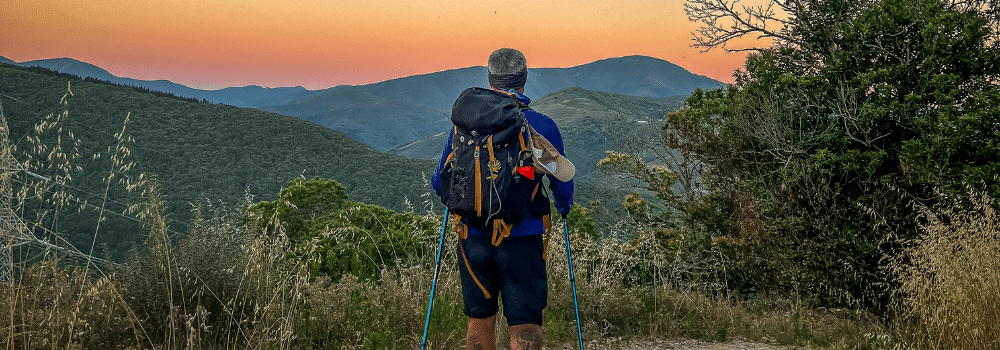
514,270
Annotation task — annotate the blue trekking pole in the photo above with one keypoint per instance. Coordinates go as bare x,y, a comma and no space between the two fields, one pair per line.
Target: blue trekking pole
572,281
437,269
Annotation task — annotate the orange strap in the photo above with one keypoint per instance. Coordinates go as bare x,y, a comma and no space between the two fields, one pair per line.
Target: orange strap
446,160
452,153
500,231
469,268
463,233
479,186
547,221
493,165
489,143
520,136
460,228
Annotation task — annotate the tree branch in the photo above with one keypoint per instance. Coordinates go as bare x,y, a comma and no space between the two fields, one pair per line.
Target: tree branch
725,20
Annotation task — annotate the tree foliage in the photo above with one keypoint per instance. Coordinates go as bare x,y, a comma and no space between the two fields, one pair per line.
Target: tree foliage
338,236
808,164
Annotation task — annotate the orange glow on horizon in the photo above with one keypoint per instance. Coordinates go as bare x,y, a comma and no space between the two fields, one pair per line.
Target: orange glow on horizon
321,43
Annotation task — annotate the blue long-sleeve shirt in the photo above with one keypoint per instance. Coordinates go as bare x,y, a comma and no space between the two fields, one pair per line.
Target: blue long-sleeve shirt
562,192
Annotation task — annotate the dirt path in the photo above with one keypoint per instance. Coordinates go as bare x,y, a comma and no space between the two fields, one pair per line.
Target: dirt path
673,344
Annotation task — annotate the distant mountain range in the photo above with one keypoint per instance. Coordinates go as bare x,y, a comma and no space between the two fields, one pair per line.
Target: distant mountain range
201,153
427,99
396,112
247,96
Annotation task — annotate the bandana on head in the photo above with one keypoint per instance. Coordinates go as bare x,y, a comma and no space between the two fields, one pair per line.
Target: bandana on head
509,81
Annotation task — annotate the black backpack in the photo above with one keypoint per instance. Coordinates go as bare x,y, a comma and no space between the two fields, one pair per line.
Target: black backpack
480,181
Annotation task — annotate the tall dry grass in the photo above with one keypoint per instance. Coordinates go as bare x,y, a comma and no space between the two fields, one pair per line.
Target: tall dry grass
681,298
949,278
222,285
53,306
225,285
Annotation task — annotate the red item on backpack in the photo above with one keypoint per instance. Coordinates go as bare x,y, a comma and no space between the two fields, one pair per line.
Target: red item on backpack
527,171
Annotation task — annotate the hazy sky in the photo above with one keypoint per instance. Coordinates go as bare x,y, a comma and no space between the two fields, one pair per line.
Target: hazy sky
324,43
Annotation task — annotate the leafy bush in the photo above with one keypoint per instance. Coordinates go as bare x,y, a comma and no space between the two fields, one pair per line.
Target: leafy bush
340,236
808,166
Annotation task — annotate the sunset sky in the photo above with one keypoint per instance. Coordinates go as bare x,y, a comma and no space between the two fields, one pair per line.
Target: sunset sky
317,44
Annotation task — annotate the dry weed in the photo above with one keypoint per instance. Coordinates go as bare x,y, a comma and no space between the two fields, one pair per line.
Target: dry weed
949,278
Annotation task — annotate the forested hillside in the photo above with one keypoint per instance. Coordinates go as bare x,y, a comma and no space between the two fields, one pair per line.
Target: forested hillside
199,152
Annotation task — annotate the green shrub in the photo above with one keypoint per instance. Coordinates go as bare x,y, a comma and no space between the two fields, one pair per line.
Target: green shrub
338,236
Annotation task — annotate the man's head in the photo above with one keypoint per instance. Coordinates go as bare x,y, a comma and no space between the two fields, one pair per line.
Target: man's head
508,69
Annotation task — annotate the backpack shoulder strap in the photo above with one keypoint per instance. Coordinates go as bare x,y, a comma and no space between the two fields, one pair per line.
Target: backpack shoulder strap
454,132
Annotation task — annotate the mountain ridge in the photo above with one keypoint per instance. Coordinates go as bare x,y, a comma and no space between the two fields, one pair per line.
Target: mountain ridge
540,81
355,111
399,111
241,96
631,75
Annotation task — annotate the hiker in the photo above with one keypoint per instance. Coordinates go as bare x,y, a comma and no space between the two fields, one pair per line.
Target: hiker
509,261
